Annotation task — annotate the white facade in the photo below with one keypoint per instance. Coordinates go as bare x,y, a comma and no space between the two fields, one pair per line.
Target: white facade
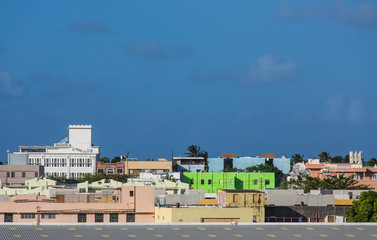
72,157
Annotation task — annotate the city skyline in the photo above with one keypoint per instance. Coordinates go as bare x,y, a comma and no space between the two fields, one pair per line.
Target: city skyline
154,77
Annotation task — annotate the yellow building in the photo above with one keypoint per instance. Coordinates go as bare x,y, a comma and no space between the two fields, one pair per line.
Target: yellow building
234,206
205,214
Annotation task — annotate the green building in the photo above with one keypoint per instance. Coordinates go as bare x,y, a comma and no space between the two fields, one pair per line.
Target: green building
212,182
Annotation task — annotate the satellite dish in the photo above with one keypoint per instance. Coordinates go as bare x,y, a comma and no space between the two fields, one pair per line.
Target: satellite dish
299,168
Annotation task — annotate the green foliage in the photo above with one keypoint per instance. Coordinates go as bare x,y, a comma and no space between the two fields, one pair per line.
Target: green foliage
91,178
105,159
297,158
308,183
371,162
115,160
195,151
365,209
229,169
324,156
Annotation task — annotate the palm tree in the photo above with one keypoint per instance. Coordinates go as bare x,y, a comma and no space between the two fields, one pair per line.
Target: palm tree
194,151
297,158
324,156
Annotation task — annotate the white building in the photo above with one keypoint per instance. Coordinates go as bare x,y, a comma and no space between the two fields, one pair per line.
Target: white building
74,156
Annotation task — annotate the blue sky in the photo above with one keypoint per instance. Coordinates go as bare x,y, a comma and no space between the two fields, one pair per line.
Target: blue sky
153,77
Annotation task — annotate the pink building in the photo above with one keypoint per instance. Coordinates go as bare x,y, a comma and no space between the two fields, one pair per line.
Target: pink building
365,175
127,204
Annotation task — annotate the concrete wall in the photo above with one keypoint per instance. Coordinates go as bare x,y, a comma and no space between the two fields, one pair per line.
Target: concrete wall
17,159
305,211
197,214
13,174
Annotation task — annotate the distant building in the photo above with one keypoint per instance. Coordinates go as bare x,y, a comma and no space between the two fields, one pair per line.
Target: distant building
364,175
74,156
135,167
231,161
212,182
18,174
190,164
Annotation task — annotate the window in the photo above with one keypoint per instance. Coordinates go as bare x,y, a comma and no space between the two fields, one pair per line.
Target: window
8,217
36,174
114,217
202,181
81,217
110,171
192,181
27,215
8,174
221,182
48,216
98,217
267,182
209,181
120,171
13,174
175,191
255,182
231,182
183,191
23,175
130,217
100,170
235,198
374,176
131,193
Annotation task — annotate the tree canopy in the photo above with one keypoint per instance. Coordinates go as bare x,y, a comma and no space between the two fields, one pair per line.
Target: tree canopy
371,163
91,178
365,209
308,183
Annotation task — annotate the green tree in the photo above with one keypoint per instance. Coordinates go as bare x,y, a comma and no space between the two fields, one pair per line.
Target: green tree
324,156
308,183
104,159
371,162
297,158
365,209
267,168
337,159
193,151
115,160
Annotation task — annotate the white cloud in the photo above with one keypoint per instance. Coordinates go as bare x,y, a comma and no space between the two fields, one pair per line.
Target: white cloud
336,110
267,69
9,87
362,13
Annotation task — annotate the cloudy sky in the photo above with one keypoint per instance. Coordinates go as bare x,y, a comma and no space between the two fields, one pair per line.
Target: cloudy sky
153,77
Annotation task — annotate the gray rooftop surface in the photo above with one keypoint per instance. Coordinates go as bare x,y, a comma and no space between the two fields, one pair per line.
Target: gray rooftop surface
197,232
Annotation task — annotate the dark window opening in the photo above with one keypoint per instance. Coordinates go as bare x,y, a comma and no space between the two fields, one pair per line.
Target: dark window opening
114,217
130,217
98,217
81,217
131,193
209,181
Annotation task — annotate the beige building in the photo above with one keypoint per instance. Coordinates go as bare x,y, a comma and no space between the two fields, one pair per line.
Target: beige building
18,174
234,206
127,204
135,167
203,214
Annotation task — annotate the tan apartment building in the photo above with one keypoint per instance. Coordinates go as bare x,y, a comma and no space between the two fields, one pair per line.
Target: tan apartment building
234,206
125,204
135,167
18,174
